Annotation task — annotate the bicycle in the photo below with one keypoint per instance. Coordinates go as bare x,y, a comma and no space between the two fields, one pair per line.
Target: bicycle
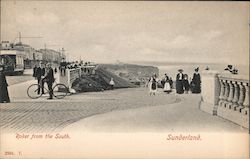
59,90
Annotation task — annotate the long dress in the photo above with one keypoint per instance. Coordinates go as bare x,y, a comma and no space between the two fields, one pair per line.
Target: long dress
167,86
179,83
4,95
196,83
152,85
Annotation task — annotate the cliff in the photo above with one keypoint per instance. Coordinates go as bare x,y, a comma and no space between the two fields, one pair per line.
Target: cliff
137,74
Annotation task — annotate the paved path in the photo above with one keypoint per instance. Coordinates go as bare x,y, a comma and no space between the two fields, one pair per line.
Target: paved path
18,91
20,78
42,115
184,116
118,110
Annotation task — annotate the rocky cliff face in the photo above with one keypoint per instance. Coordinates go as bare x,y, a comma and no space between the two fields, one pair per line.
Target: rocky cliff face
100,81
124,76
133,73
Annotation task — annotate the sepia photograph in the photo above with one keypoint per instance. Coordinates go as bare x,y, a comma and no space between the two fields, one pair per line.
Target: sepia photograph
124,79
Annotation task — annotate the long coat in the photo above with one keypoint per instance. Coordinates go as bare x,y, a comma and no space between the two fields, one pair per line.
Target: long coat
4,95
179,83
196,83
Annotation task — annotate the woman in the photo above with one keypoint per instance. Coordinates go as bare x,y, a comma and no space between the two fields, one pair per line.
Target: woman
152,85
4,95
196,82
167,85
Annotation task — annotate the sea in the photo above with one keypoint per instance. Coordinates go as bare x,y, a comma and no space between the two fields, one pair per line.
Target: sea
172,69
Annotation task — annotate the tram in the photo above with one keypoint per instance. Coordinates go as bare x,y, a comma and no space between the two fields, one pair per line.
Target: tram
12,61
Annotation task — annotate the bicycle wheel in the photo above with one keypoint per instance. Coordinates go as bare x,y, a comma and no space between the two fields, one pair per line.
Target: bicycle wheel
32,91
60,91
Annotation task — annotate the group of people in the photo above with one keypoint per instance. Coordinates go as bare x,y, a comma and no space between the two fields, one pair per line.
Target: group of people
182,83
44,75
231,69
166,82
73,65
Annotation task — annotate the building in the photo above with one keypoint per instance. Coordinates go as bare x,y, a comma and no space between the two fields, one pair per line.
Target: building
32,56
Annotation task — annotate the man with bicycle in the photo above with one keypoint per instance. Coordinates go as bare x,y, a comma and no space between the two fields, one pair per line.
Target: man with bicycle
49,79
39,73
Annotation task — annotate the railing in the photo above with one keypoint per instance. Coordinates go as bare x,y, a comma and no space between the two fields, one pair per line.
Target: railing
230,98
72,74
234,93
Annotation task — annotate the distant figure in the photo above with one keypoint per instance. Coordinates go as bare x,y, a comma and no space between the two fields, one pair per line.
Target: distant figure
186,83
196,82
179,82
62,67
49,79
171,82
4,95
55,70
152,85
207,68
40,71
167,85
112,83
231,69
34,71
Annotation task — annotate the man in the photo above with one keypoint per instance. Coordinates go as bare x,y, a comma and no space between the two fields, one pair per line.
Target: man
63,66
40,71
49,79
179,82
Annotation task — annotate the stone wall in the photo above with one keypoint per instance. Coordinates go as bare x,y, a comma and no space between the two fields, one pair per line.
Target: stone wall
227,96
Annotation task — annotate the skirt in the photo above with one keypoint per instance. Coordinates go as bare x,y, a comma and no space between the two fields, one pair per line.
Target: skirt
167,87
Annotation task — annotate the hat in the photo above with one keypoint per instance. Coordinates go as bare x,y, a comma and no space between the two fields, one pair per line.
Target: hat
197,69
230,66
180,70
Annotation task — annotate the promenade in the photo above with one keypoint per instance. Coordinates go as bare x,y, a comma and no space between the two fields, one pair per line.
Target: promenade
121,110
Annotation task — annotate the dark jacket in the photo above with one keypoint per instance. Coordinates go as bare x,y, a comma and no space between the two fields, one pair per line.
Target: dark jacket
63,65
196,78
178,77
40,72
49,77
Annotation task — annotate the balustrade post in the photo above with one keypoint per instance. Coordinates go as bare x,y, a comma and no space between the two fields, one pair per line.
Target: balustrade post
230,96
68,76
241,97
226,94
236,95
246,100
222,91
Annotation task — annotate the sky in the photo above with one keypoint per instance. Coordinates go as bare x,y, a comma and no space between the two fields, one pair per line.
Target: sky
111,31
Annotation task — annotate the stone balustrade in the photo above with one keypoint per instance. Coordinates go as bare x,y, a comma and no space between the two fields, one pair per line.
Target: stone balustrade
232,92
72,74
